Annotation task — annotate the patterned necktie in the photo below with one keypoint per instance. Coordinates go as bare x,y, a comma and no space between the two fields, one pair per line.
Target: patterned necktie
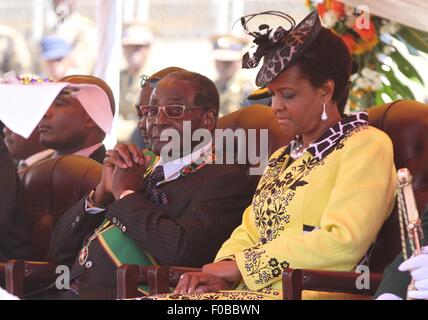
156,195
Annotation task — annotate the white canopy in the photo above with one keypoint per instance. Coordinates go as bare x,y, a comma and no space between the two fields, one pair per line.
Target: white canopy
412,13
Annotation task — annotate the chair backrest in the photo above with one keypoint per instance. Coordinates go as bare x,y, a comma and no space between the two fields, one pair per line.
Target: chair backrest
51,187
406,123
256,117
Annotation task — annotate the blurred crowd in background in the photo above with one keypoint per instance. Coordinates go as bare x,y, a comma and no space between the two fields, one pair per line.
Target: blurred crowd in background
56,38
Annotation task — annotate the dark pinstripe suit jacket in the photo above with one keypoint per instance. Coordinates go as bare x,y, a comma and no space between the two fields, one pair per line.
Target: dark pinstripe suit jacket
99,154
203,210
14,228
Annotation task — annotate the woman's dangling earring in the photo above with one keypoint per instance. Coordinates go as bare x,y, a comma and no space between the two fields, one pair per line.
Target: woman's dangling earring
324,115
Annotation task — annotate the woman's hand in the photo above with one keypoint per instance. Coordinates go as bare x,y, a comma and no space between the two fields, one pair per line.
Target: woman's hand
226,269
214,277
200,282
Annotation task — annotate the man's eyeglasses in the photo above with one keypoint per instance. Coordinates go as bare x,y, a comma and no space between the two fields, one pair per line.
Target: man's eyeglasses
151,81
171,111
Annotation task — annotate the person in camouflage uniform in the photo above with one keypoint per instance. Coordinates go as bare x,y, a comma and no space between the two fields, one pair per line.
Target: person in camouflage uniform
79,32
232,85
136,41
14,53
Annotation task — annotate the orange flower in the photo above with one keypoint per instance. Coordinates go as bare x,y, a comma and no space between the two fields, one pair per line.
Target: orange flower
369,44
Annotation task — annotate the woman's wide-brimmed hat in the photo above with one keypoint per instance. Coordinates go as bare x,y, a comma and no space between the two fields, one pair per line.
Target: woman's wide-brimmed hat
281,47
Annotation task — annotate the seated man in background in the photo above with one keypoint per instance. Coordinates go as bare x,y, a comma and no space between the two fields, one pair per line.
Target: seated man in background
147,84
68,129
398,275
14,233
26,152
177,214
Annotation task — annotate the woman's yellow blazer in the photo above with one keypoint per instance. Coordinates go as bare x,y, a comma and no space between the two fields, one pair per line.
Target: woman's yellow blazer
321,211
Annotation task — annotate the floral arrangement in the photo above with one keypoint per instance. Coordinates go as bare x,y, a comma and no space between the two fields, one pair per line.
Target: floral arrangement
26,79
371,43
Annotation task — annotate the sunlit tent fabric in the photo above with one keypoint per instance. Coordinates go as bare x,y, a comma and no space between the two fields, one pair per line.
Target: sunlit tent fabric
23,105
411,13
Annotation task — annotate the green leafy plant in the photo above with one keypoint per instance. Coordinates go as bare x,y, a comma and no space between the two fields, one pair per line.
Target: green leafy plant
372,45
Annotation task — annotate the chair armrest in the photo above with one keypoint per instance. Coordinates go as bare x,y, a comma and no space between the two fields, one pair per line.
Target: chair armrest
18,272
129,277
127,281
158,278
297,280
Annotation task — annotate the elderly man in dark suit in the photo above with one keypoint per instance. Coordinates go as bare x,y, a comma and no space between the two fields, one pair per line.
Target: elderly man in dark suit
14,233
177,212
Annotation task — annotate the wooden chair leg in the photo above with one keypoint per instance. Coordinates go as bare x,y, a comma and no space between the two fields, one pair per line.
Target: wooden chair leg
127,281
14,274
2,275
292,284
158,279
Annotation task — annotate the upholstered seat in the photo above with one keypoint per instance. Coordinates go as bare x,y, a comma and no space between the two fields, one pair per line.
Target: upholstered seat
51,187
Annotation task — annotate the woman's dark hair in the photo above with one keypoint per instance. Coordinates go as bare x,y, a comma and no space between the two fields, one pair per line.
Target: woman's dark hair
328,58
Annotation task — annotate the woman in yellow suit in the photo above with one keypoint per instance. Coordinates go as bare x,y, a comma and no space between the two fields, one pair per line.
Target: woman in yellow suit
323,198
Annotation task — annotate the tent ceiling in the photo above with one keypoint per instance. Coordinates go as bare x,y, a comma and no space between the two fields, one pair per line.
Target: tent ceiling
412,13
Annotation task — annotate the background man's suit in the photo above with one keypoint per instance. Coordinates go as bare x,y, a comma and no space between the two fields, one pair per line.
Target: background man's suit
14,230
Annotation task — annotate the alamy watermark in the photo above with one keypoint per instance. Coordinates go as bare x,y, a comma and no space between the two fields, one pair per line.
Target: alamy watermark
363,20
62,282
231,146
362,282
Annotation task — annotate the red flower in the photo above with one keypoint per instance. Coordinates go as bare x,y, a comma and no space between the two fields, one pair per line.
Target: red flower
350,42
322,9
338,8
